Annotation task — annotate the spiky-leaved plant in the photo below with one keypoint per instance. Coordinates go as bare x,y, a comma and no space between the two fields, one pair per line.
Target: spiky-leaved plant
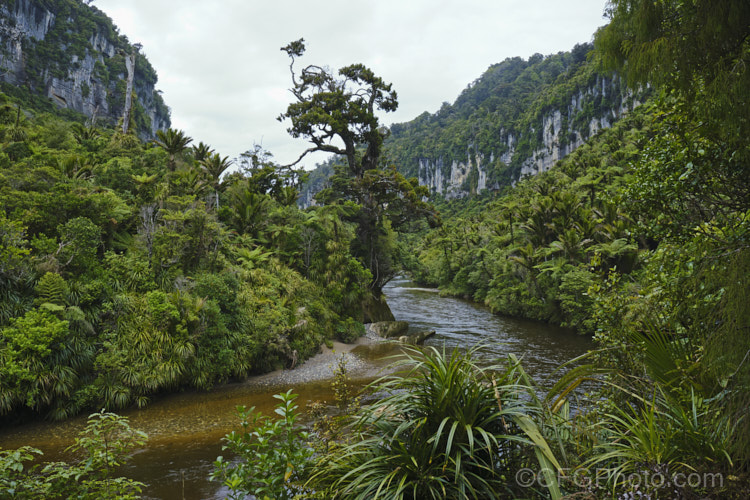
444,429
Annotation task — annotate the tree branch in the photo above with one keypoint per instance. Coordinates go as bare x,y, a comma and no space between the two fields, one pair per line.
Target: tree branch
327,148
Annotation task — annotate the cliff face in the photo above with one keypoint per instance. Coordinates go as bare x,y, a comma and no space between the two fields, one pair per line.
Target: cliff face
518,119
554,134
72,54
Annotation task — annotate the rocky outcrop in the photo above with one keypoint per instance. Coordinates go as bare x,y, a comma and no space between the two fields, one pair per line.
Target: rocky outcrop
416,337
397,331
71,53
556,144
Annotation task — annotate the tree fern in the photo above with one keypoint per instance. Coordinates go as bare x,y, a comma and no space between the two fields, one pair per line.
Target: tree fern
51,288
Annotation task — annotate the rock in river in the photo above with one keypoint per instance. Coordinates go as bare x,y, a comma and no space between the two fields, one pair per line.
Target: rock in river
387,329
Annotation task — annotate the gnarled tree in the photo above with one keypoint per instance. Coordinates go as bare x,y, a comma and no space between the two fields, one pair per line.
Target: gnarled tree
336,113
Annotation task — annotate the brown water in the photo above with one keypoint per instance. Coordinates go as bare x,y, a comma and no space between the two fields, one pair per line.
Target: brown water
185,429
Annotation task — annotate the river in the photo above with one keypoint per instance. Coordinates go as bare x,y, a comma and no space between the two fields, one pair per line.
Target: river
185,429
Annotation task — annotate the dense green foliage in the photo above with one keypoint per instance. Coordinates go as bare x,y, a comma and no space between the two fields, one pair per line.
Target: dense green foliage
640,237
698,49
445,429
129,269
683,323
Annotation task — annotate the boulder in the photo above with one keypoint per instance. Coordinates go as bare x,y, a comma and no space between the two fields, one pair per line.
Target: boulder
387,329
416,337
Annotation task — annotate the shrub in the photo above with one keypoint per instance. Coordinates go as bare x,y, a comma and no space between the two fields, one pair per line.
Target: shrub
104,445
273,454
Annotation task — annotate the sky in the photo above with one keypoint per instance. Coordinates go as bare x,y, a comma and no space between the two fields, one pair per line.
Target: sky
226,80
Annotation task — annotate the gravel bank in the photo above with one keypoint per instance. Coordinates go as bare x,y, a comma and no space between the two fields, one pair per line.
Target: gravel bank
322,365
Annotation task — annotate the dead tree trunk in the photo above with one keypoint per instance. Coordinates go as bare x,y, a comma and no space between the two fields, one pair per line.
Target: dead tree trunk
130,65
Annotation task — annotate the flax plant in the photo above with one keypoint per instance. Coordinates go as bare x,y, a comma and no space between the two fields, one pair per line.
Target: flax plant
444,428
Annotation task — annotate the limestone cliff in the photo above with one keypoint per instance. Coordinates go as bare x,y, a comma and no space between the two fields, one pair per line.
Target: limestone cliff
518,119
558,132
72,53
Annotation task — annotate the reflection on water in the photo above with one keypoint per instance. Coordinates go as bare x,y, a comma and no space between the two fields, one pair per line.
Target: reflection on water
185,429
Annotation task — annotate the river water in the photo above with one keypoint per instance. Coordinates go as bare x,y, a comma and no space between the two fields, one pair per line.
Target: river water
185,429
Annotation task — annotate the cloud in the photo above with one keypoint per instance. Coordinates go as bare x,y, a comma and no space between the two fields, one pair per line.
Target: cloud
226,80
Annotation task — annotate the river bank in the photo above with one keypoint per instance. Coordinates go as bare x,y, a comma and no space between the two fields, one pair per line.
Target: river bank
198,412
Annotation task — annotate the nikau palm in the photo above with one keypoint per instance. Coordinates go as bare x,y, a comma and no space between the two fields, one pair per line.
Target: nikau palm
201,151
174,142
214,165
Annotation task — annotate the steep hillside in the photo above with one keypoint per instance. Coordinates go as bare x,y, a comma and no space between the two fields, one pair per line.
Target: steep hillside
127,270
72,54
534,252
517,119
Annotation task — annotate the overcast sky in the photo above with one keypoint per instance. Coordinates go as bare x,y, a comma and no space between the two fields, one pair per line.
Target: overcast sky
226,81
